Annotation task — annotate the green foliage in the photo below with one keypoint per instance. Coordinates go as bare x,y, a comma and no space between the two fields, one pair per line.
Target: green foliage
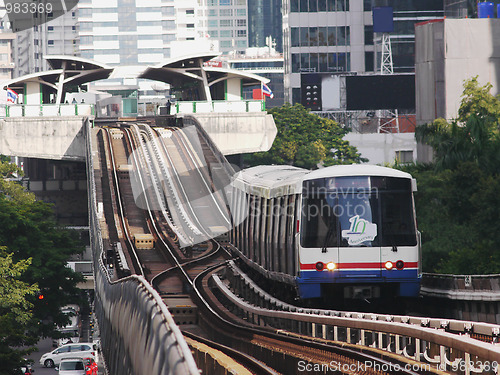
457,203
306,140
28,229
472,137
15,312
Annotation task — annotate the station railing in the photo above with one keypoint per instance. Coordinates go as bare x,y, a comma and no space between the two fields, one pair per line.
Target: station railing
46,110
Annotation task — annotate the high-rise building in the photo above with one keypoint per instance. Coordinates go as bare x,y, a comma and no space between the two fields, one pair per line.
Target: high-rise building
336,37
55,36
227,22
264,21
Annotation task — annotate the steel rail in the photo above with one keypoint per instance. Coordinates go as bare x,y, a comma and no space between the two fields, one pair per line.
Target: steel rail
123,222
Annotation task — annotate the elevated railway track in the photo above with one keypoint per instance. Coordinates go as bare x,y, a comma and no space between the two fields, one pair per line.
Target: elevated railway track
165,187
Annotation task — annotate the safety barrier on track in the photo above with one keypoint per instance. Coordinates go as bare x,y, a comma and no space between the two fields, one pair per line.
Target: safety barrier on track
138,333
441,343
461,287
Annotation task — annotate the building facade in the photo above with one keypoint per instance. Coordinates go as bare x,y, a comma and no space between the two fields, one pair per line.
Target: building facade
264,21
227,22
335,37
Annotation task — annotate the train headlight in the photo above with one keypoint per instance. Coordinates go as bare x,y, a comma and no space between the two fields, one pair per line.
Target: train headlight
400,264
389,265
320,266
330,266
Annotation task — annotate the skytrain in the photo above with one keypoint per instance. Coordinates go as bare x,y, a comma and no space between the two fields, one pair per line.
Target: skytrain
347,230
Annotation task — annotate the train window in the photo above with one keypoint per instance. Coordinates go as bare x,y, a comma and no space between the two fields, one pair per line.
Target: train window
319,223
398,228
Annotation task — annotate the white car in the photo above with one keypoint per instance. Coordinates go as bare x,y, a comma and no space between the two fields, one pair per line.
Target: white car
78,350
71,366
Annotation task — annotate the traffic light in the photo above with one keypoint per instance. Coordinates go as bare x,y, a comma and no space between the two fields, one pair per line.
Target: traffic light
311,91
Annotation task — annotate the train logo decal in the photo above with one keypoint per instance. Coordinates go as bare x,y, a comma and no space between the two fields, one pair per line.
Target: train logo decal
361,230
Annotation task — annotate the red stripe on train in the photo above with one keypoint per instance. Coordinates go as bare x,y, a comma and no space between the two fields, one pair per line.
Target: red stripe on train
347,266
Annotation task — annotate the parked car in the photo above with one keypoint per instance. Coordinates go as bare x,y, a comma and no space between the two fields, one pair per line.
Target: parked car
79,350
90,366
71,366
25,370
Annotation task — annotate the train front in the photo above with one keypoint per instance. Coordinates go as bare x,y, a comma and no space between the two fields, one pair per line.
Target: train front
357,234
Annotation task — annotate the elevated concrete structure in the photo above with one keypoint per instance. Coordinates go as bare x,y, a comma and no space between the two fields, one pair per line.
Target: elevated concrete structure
237,133
44,126
58,138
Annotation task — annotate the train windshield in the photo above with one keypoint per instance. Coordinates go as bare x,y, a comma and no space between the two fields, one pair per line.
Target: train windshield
357,211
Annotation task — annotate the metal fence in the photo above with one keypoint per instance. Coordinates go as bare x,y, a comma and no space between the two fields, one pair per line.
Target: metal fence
138,333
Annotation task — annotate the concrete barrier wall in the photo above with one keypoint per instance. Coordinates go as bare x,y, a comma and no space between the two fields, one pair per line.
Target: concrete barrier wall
236,133
57,138
138,334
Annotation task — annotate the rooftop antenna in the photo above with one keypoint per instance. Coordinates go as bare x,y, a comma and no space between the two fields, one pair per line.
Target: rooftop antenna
383,23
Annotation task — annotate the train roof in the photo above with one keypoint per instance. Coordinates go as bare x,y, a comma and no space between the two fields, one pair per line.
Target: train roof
271,181
356,170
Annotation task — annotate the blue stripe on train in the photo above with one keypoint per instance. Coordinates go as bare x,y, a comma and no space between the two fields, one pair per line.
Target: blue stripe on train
309,282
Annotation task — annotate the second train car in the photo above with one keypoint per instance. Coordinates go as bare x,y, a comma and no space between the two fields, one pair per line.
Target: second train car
347,231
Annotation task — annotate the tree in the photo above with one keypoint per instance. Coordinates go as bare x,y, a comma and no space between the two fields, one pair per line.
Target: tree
28,229
306,140
15,313
457,203
473,136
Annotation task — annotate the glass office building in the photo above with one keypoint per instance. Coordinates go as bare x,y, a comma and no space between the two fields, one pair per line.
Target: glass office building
336,37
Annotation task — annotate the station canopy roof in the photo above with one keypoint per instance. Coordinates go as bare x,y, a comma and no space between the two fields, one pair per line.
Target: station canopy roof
176,71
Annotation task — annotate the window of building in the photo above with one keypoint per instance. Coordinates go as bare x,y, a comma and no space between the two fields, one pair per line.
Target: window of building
296,95
404,156
242,33
321,5
213,24
225,2
190,26
167,38
367,5
304,36
85,12
323,62
304,5
213,33
294,5
369,62
295,36
168,24
369,35
50,42
190,12
168,11
50,28
240,2
212,12
226,33
295,63
242,12
241,23
322,36
226,12
313,62
313,36
226,23
313,6
225,44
